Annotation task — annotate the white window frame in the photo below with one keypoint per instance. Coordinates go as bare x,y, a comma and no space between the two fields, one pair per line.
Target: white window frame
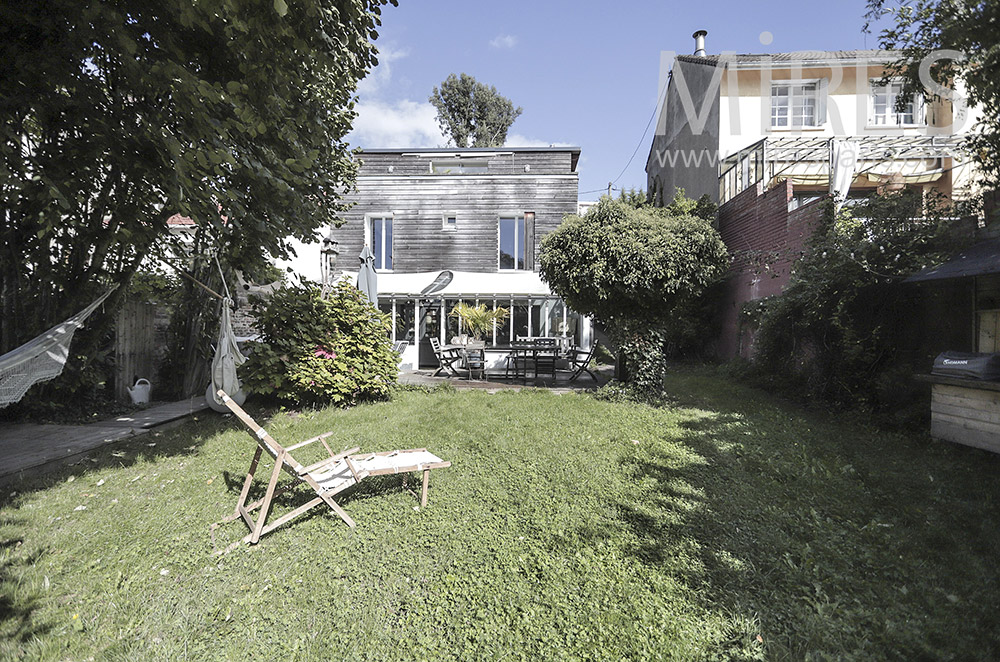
517,244
819,117
369,219
445,225
892,116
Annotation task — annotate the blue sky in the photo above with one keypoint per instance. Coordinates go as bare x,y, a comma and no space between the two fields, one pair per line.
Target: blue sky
586,73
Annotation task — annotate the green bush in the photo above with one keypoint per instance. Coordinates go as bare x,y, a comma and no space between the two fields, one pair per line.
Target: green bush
834,333
318,350
641,273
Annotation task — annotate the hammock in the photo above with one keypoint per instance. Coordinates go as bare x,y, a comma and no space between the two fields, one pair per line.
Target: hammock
227,358
40,359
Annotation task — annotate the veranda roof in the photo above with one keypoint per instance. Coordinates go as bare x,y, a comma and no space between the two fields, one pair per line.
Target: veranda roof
462,285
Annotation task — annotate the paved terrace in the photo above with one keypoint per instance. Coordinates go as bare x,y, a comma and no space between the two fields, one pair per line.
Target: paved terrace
30,448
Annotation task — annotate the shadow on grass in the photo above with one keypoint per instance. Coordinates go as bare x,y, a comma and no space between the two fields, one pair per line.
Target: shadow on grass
834,538
300,493
18,603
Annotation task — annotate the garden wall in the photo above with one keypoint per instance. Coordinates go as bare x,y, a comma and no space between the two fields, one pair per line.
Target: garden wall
764,239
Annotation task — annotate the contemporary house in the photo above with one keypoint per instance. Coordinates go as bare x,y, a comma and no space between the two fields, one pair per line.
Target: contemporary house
768,135
450,225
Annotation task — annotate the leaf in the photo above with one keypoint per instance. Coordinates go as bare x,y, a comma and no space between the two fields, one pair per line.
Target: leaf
280,7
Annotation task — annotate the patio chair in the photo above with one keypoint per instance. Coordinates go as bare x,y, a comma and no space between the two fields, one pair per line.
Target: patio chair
447,358
517,361
579,361
546,353
474,359
327,478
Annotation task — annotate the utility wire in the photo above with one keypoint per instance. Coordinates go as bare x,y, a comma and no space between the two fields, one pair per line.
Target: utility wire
659,98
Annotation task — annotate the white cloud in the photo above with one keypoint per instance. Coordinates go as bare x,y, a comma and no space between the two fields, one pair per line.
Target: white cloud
401,123
517,140
379,77
504,41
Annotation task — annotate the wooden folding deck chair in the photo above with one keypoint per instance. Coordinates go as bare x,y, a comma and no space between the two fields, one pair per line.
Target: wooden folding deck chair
327,477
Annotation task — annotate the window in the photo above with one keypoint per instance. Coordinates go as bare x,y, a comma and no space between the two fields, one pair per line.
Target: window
883,108
517,246
378,236
459,167
796,105
449,221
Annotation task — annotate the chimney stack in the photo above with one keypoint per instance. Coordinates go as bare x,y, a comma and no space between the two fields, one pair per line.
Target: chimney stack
699,42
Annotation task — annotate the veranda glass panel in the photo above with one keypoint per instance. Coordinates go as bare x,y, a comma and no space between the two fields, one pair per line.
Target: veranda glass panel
519,314
404,320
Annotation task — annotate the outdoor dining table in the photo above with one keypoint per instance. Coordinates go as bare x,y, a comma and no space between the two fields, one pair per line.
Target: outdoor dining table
533,353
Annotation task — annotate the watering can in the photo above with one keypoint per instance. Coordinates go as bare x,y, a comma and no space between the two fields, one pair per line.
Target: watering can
140,392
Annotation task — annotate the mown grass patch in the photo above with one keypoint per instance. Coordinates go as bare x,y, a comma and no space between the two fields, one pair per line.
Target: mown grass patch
728,526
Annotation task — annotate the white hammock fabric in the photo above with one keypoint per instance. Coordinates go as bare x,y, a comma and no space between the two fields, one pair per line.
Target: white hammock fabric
40,359
227,359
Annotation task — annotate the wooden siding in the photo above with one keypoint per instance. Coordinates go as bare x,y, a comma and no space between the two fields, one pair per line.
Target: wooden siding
966,415
419,203
501,163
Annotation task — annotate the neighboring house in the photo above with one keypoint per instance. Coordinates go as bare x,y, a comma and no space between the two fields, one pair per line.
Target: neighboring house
768,135
450,225
730,121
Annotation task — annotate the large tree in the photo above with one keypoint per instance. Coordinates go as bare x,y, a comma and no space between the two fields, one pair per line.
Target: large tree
468,110
634,270
923,31
116,115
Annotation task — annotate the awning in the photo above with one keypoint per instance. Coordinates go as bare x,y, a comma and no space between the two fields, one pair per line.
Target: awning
978,260
463,284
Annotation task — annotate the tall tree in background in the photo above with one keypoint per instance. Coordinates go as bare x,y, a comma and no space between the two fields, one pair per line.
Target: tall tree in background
470,110
116,115
919,28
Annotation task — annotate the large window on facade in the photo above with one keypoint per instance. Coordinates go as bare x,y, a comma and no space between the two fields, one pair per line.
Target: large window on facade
517,241
512,242
379,239
796,105
883,107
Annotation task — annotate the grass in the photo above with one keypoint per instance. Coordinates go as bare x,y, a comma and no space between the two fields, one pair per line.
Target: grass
728,526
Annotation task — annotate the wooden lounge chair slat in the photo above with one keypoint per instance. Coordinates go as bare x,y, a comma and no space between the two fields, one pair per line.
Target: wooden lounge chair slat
327,478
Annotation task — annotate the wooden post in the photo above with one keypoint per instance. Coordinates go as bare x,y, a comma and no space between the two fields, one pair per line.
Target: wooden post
423,492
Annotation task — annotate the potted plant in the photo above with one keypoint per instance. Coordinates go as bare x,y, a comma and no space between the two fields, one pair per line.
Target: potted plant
477,320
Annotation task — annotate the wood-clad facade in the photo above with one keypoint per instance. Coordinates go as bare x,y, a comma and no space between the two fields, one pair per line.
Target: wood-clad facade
477,216
421,189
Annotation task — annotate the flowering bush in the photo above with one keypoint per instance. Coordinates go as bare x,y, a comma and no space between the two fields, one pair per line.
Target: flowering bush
318,351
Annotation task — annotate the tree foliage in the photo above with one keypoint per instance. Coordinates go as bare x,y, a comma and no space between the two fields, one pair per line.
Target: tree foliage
918,28
634,270
836,328
320,351
115,116
472,112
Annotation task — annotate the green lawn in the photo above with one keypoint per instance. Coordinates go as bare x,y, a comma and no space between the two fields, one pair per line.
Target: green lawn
728,526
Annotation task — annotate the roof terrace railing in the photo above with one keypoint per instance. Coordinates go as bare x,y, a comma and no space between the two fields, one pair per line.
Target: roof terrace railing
769,158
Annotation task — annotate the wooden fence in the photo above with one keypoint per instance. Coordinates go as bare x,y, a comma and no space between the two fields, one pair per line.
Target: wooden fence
135,346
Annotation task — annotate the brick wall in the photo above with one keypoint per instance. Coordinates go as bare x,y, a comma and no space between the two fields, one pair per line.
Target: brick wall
764,240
